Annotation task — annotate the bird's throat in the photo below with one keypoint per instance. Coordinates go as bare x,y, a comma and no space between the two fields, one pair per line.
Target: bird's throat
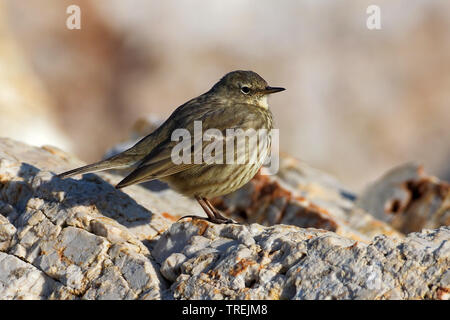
263,102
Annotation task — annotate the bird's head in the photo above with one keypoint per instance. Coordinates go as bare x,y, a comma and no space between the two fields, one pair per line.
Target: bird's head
244,87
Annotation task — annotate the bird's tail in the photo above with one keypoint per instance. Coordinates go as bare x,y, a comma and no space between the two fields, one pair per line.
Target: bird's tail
118,161
127,158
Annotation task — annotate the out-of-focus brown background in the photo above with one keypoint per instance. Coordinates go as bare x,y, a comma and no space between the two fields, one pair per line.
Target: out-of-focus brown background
358,101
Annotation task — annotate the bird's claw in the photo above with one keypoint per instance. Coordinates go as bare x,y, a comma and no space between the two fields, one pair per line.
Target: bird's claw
216,220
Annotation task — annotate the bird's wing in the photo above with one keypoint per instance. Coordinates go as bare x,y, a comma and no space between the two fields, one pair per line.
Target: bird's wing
156,165
159,163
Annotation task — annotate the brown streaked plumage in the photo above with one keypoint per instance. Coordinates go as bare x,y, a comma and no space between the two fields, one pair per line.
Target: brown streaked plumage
237,101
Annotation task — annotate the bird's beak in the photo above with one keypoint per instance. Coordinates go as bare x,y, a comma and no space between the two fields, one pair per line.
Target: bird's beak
270,90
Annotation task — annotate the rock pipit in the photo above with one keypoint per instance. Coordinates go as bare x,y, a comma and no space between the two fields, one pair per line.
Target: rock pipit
237,102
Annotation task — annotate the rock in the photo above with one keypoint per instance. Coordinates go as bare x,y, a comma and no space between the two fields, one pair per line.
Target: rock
408,199
21,280
80,238
287,262
86,236
7,231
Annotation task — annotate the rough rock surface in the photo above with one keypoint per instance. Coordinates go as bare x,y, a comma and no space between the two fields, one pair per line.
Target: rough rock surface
85,236
82,238
207,261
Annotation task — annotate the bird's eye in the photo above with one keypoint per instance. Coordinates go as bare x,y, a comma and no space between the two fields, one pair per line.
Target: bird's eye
245,90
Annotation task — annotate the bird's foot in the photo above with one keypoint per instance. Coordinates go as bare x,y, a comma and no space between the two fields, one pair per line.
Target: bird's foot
222,221
216,220
219,217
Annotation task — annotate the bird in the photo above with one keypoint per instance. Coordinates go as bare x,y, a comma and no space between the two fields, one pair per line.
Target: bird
237,101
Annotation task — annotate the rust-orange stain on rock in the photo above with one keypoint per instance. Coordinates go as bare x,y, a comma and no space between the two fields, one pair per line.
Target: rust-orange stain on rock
241,266
62,257
443,293
353,245
264,186
300,198
201,224
315,219
169,216
266,192
424,200
312,206
213,274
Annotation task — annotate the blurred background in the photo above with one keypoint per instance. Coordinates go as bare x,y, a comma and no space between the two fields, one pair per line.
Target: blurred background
358,101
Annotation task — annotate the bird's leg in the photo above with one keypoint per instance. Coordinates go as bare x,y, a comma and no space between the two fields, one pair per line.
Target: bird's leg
211,216
217,213
204,207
